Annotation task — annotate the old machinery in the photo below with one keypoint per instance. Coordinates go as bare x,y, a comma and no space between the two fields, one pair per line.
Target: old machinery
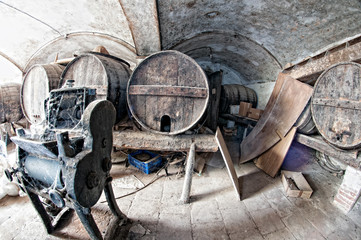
68,165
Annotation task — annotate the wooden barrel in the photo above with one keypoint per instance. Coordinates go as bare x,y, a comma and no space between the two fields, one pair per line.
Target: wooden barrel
37,83
233,94
305,122
336,105
10,108
168,93
107,74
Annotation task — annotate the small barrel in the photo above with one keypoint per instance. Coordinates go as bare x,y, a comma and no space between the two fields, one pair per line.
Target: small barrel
336,105
107,74
37,83
305,123
10,108
168,93
233,94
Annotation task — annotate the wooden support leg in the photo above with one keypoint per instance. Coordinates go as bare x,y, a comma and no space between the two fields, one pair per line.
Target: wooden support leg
188,175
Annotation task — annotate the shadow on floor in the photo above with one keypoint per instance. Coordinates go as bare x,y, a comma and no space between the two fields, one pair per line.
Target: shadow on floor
252,183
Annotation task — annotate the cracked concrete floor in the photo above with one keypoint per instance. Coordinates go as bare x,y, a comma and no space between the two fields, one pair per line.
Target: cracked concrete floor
214,212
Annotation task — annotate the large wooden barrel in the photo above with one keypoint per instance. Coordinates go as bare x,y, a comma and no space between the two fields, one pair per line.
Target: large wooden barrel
10,108
233,94
168,93
39,80
109,75
336,105
304,123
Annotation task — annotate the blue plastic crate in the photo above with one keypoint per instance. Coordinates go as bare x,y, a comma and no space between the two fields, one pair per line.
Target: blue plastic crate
153,164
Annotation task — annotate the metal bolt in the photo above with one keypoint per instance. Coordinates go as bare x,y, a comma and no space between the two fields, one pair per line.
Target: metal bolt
107,164
92,180
104,142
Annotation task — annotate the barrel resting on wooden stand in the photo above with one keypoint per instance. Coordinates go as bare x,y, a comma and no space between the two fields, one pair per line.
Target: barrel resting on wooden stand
178,143
335,108
168,101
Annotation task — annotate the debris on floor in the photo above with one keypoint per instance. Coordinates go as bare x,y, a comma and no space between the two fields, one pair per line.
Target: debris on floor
6,187
216,161
296,185
128,182
137,231
119,156
200,163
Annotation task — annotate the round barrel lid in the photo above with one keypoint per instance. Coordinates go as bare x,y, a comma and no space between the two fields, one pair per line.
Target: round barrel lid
336,105
168,93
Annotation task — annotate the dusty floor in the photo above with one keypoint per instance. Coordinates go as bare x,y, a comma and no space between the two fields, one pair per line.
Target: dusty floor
265,212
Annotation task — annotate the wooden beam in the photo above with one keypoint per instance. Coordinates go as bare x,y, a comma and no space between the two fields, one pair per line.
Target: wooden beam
349,157
310,69
157,142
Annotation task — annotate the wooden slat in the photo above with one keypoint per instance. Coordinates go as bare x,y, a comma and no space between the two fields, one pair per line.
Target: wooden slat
316,142
270,162
349,104
158,142
309,70
286,103
166,90
228,161
240,120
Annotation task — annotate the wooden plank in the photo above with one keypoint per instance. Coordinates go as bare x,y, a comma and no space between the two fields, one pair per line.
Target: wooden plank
240,120
158,142
270,162
287,102
166,90
215,86
227,159
309,70
316,142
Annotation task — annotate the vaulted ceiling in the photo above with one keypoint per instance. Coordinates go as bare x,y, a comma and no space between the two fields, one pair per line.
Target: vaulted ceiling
255,39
